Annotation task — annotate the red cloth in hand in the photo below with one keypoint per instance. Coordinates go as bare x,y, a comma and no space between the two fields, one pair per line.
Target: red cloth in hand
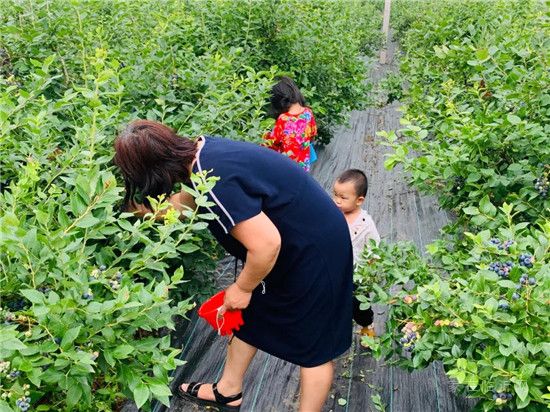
225,323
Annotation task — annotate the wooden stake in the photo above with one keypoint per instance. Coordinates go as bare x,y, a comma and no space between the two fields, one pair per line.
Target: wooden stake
385,30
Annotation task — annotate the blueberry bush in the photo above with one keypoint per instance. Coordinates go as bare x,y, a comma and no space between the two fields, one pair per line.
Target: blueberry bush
88,295
482,310
203,66
475,134
477,104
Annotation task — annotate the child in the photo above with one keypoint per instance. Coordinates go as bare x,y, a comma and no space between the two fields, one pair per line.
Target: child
295,126
349,192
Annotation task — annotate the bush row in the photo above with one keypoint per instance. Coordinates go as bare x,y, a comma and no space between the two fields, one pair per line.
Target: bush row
475,135
88,294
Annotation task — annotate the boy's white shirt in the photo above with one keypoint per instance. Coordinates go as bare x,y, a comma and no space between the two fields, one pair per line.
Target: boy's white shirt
361,231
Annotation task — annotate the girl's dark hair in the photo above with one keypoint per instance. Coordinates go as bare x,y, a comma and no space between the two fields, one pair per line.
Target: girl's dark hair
152,158
358,178
284,94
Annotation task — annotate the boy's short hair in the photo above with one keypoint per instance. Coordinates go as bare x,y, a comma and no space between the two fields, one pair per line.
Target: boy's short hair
358,178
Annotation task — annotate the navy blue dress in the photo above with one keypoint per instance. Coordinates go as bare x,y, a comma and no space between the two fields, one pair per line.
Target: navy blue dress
303,311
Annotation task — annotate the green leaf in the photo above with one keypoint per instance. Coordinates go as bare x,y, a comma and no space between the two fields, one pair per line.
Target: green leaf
160,390
141,394
479,220
122,351
473,177
507,284
513,119
534,349
70,336
77,204
487,207
12,344
471,210
188,248
74,394
527,370
33,295
4,407
94,307
472,380
482,54
522,389
87,221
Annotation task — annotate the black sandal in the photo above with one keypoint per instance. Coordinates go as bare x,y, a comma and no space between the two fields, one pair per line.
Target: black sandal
221,401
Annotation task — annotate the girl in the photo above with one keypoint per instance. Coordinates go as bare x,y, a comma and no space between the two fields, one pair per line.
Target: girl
295,126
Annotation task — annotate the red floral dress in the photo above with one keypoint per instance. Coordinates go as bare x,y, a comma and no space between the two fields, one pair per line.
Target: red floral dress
292,136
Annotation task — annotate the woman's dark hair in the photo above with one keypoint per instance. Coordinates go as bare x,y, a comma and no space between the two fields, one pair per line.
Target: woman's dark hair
358,178
283,95
152,158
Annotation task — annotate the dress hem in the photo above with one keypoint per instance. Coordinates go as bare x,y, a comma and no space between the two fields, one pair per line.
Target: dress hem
333,356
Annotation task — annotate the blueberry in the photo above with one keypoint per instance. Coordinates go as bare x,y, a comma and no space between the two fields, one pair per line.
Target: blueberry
518,287
403,340
515,296
508,396
57,340
504,306
44,289
102,267
495,396
526,260
502,395
532,281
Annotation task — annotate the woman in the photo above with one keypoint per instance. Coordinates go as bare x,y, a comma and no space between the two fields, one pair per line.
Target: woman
295,288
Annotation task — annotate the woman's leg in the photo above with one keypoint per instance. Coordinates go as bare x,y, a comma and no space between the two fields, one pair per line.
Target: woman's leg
315,384
238,358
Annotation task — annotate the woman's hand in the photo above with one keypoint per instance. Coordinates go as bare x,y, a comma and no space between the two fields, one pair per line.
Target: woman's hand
138,209
180,201
236,298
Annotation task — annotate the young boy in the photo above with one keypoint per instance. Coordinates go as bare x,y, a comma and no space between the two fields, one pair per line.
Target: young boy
349,192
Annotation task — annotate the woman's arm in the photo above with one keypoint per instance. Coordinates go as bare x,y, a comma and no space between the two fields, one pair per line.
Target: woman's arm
263,242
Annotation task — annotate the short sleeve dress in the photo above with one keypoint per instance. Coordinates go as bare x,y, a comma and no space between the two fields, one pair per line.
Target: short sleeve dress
303,311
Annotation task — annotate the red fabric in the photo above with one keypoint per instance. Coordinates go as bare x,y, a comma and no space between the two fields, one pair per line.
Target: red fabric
227,322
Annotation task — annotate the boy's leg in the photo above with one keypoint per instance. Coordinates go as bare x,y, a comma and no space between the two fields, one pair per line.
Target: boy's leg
238,358
315,385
